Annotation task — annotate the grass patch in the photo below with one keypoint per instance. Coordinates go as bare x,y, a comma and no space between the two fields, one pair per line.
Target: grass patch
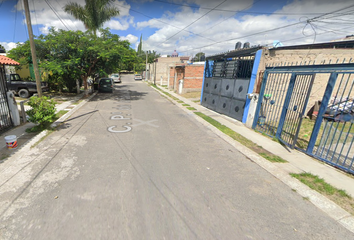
273,158
186,105
192,95
180,101
336,195
244,141
60,114
166,93
191,108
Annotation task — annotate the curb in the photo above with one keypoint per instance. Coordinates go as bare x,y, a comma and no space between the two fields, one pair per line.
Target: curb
329,207
72,111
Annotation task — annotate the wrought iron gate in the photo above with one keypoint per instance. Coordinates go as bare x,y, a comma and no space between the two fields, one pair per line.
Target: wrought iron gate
283,99
335,139
294,108
5,116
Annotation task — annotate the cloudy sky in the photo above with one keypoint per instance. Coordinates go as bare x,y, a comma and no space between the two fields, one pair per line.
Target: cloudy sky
191,26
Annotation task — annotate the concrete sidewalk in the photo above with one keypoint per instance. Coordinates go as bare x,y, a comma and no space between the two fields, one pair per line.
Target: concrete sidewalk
20,131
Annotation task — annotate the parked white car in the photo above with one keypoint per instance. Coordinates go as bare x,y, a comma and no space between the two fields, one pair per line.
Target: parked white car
138,77
116,77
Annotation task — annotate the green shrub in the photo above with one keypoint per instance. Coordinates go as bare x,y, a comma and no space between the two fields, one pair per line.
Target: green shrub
43,110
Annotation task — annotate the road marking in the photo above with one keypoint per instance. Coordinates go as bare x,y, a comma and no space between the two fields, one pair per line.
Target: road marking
127,129
141,122
118,117
123,107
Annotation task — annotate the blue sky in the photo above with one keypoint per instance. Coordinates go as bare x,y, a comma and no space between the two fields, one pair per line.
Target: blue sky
162,22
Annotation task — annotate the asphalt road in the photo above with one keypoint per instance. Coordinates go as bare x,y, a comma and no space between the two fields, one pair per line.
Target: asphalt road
132,165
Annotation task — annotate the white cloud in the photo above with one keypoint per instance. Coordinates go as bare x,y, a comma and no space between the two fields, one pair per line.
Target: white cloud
117,25
209,34
53,15
210,37
131,38
8,45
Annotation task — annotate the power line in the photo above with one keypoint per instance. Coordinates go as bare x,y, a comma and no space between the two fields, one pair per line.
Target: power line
274,29
231,16
35,15
194,21
24,19
133,10
15,24
242,11
71,22
56,14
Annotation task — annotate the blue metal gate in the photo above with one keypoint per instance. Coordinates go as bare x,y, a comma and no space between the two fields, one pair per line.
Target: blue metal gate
281,107
227,79
334,142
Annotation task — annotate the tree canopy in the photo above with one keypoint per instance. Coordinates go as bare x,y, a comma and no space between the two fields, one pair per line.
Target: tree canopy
199,57
70,55
94,14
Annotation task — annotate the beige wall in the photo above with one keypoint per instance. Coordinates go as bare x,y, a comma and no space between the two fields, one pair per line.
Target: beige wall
275,57
162,68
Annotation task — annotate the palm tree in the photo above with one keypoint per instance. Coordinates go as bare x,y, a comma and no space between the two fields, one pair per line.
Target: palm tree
94,14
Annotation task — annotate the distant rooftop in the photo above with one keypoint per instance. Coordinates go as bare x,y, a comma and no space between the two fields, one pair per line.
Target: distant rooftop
174,54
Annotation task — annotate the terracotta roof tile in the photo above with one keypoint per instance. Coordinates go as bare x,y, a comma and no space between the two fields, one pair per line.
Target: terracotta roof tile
7,61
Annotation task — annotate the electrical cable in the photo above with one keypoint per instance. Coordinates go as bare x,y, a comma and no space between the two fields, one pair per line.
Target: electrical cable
71,22
133,10
24,20
56,14
15,23
35,15
226,10
232,15
194,21
274,29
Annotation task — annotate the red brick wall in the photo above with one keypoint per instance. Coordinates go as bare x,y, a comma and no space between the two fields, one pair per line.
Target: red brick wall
193,78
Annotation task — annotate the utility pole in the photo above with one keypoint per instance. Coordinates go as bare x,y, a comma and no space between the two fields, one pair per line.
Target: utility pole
155,73
146,65
33,49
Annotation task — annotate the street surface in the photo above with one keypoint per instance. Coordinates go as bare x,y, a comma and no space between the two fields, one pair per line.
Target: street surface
132,165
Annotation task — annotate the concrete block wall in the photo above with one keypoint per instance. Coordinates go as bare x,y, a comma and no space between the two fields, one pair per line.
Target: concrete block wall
278,57
162,68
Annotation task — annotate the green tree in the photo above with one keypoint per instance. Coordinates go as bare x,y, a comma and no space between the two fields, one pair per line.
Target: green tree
152,56
2,47
140,46
199,57
68,56
94,14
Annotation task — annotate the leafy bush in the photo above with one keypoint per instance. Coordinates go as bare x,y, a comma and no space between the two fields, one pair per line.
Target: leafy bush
42,112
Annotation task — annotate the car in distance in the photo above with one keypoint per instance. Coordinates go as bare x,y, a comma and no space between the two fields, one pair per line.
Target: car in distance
105,85
137,77
116,77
